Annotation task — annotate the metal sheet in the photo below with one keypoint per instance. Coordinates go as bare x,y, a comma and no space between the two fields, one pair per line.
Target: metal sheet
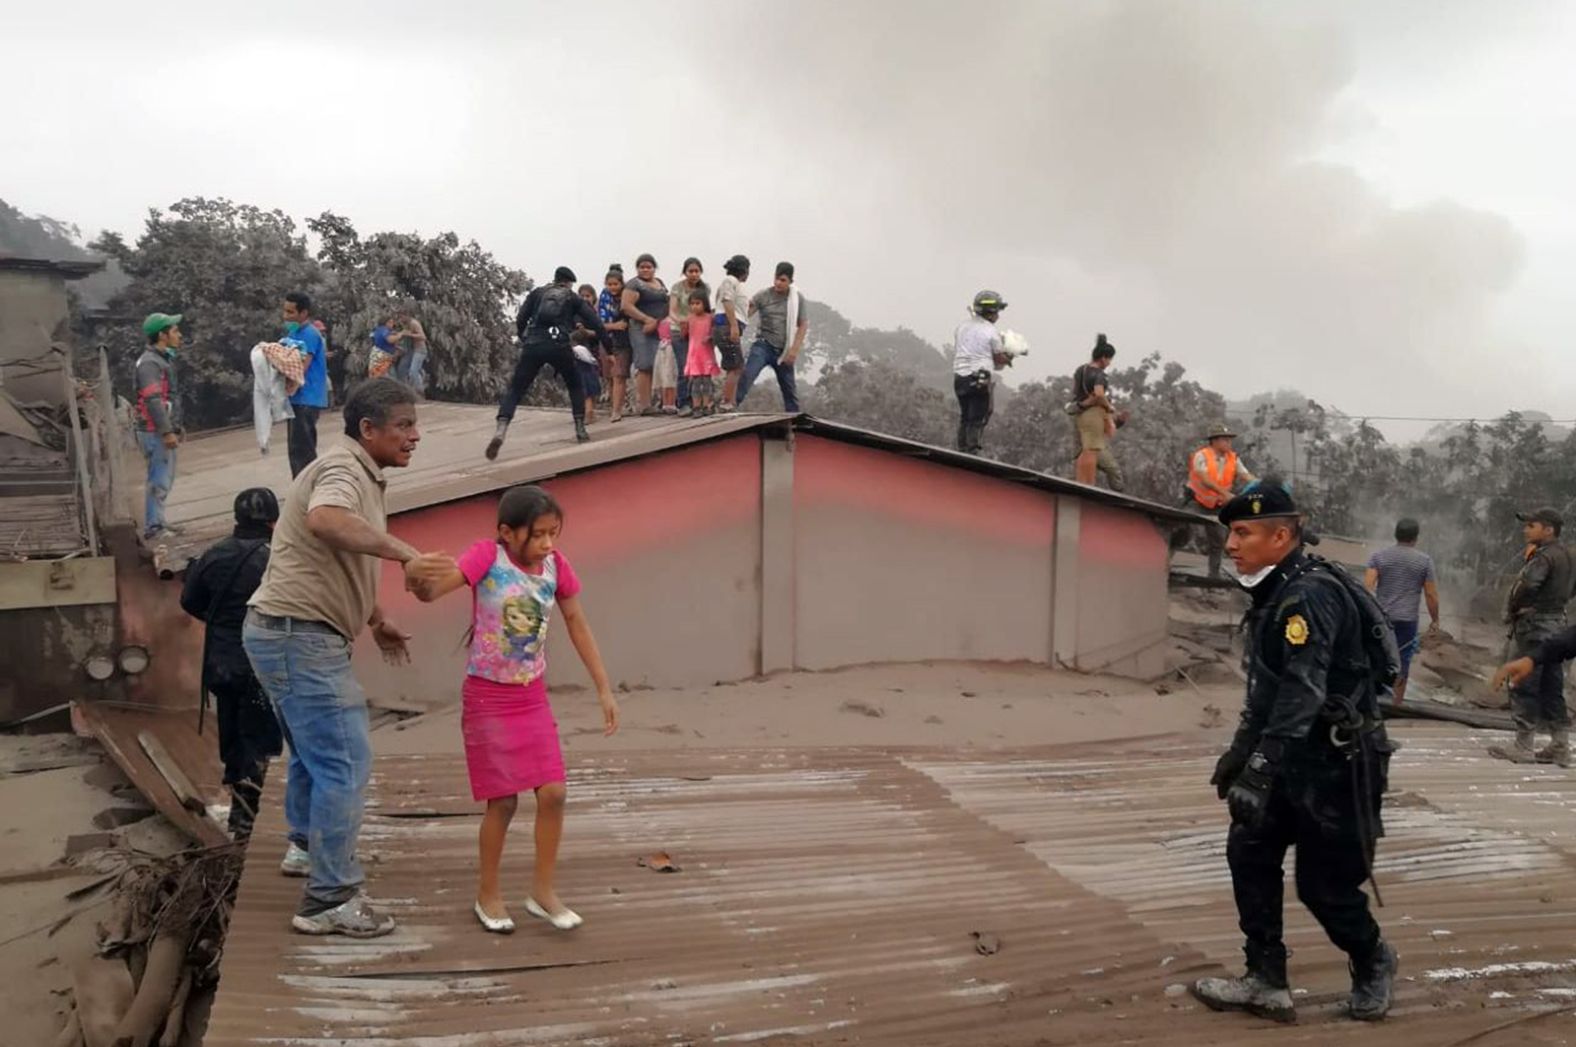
447,466
829,897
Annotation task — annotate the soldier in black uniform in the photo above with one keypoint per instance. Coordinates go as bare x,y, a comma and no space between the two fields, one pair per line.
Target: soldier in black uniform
1535,611
1307,766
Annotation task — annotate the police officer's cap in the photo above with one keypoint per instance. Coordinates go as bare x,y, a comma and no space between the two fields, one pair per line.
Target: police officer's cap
1260,500
1546,515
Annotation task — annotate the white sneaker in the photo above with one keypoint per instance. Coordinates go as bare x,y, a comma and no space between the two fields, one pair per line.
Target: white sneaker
296,862
354,919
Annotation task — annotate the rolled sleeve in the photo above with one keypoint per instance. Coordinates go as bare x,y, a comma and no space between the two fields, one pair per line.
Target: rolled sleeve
336,486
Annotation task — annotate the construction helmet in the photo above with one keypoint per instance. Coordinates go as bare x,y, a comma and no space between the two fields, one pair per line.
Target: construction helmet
988,301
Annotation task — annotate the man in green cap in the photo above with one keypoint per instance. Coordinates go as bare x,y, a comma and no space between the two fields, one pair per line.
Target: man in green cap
158,414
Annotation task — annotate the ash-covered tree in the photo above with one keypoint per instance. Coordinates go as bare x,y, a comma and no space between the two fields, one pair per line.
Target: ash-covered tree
884,397
464,298
224,267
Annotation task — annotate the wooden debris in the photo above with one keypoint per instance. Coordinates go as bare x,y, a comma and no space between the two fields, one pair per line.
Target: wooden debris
171,772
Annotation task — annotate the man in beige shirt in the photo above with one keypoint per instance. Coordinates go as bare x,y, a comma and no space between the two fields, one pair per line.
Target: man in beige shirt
319,590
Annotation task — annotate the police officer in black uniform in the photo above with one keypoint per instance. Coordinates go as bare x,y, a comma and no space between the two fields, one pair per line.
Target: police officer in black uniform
1534,612
546,320
1308,763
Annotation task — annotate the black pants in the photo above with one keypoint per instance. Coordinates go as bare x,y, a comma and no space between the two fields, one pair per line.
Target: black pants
533,357
974,409
1538,702
302,436
1312,807
249,736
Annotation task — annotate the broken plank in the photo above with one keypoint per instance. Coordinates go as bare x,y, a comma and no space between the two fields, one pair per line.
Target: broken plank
171,772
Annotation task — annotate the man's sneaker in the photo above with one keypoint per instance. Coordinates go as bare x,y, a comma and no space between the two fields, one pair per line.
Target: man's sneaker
1372,984
354,919
296,861
1251,993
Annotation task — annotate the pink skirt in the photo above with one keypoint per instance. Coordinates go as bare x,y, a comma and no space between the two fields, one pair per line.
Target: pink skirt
511,738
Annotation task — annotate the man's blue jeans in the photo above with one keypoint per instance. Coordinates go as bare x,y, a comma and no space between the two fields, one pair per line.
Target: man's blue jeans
412,369
161,477
304,668
762,355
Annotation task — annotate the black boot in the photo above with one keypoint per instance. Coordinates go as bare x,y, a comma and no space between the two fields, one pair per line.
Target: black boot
1372,983
580,432
1262,990
497,441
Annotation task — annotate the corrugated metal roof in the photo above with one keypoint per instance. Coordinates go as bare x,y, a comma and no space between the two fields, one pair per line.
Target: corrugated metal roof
830,896
991,467
449,464
73,269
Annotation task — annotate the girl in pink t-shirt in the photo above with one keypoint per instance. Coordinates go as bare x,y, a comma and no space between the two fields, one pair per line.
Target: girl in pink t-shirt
700,366
511,738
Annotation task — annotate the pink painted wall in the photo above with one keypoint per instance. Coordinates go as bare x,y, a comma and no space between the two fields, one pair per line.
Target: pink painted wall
900,559
1122,598
667,548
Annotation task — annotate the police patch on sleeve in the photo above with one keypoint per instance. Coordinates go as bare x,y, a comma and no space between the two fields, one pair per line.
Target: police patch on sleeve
1296,630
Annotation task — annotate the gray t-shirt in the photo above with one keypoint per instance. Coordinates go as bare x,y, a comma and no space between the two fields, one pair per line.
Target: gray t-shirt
1402,572
771,316
653,297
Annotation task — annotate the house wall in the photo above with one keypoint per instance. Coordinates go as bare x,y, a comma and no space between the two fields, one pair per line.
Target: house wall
900,559
668,552
33,316
869,556
1112,589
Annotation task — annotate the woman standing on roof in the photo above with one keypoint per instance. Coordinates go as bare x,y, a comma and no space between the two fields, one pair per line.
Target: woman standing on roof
645,304
610,307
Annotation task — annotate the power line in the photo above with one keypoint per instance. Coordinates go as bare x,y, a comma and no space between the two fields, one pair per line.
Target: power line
1348,417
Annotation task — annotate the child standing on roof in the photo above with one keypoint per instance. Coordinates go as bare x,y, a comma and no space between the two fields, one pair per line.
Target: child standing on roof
665,371
700,366
511,738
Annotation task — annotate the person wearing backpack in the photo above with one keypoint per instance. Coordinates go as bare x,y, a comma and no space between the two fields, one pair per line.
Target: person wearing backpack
218,585
1309,764
546,320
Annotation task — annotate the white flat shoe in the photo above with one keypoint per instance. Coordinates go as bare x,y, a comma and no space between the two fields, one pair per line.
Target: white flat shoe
567,920
504,925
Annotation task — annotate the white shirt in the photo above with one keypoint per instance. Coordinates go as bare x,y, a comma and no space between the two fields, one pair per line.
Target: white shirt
974,345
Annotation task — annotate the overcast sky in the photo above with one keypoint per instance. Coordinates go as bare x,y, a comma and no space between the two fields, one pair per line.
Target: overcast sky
1368,201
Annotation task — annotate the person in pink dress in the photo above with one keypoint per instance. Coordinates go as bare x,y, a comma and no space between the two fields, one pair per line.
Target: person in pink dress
700,366
511,738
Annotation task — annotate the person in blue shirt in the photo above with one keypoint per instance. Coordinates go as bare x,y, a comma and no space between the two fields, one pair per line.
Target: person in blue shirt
312,397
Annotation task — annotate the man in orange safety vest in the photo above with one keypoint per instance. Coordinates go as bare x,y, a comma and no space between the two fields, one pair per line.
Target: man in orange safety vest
1214,472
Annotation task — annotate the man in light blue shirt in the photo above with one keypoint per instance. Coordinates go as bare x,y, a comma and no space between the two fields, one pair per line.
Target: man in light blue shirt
312,397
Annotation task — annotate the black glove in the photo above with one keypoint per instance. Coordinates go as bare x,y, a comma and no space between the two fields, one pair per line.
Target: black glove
1249,796
1230,764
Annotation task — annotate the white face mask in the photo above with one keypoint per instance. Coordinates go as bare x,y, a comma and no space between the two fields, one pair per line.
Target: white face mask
1250,581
